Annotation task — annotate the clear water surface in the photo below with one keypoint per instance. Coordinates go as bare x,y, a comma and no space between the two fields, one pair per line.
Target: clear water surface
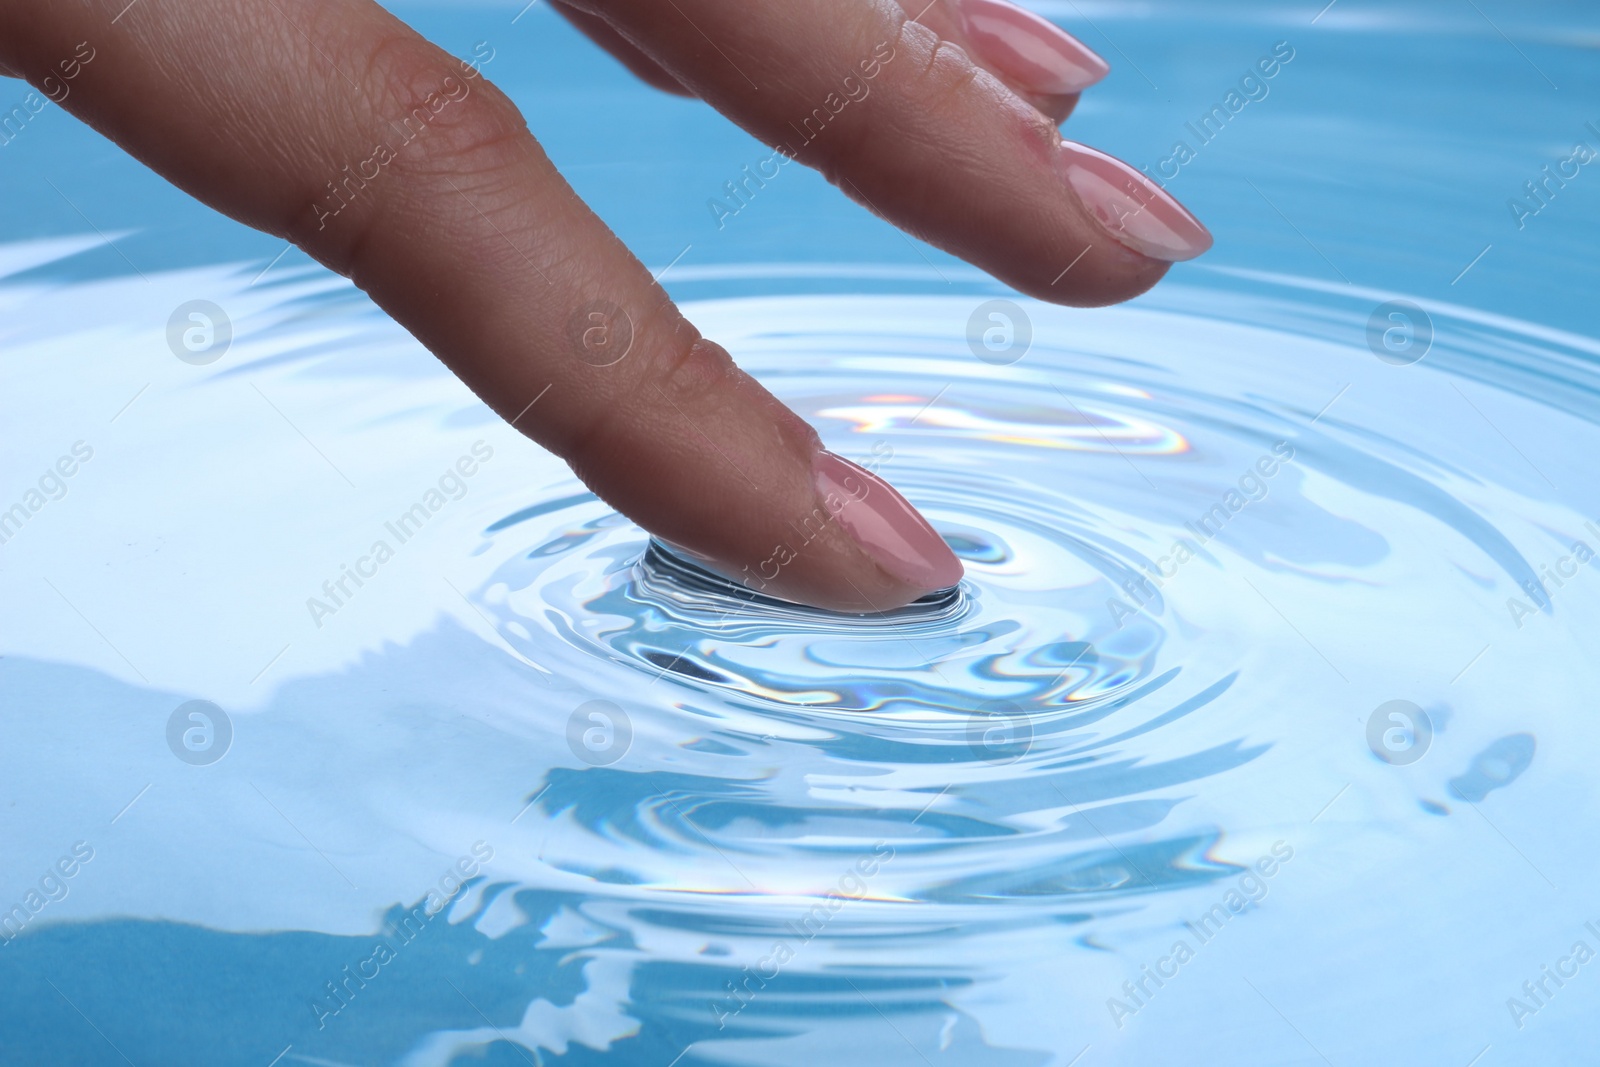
1261,732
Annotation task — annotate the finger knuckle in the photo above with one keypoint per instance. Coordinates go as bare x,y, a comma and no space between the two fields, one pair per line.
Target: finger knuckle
425,119
437,114
948,90
678,380
945,76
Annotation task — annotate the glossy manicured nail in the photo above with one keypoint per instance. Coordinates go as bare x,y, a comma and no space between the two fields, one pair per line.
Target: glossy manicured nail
1030,51
884,524
1132,208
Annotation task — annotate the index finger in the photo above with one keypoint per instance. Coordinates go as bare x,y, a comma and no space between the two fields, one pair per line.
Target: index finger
333,124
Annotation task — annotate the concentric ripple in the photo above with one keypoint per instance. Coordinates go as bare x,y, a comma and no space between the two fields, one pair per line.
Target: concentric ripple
1188,541
1241,596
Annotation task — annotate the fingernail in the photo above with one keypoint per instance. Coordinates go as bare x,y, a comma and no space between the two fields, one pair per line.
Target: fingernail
1030,51
1132,208
884,524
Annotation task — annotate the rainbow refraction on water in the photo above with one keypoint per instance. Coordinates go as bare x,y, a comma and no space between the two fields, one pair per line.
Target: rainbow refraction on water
1260,730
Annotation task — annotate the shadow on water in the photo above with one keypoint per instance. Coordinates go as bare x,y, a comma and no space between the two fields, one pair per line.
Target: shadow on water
508,972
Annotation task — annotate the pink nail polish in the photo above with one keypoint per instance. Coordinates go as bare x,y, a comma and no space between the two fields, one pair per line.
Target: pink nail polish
1028,50
1132,208
884,524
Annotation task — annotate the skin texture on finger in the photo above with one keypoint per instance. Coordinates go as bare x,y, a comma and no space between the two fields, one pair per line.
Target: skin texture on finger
601,33
906,124
944,17
331,123
995,34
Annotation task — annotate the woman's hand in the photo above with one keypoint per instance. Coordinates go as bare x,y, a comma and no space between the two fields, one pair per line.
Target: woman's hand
332,124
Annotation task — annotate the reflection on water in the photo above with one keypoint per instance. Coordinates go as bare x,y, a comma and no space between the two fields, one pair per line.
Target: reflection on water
758,832
1258,733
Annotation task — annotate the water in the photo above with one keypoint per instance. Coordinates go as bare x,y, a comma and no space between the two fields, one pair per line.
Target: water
1252,655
